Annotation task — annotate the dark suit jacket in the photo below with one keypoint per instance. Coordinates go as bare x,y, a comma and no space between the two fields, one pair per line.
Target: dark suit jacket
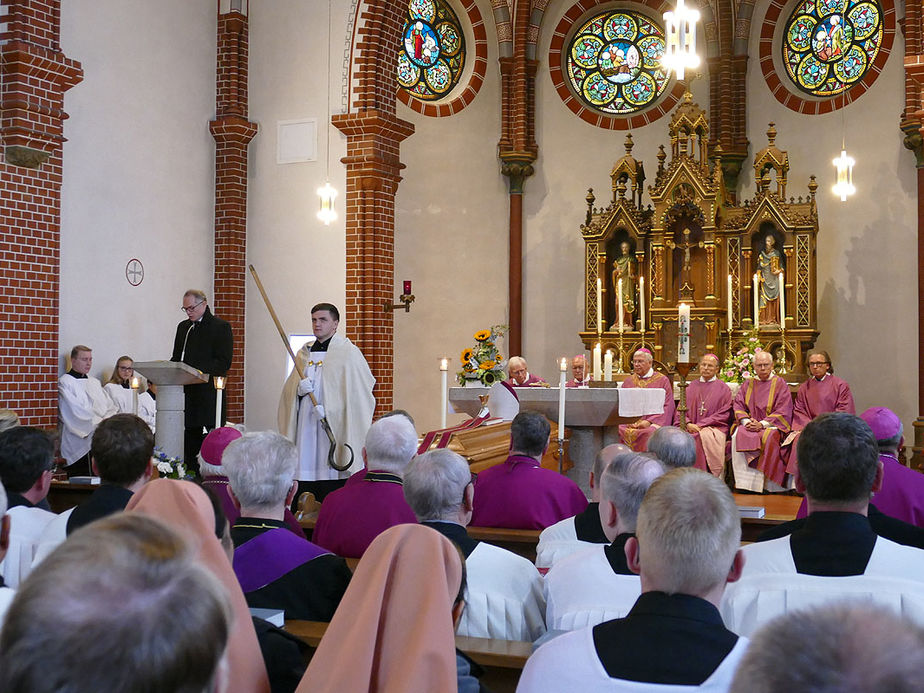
106,500
209,348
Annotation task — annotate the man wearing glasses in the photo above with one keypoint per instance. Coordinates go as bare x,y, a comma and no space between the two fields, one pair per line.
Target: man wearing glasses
821,393
202,341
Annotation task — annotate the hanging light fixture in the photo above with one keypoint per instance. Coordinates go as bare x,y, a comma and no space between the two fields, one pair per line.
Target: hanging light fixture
327,193
680,43
844,185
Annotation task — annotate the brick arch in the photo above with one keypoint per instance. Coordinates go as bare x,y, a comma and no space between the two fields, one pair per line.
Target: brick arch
779,84
468,91
575,13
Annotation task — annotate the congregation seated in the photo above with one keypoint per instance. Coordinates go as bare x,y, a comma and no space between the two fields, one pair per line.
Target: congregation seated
120,455
519,493
597,585
686,550
504,595
848,648
352,516
82,404
763,417
636,434
6,593
185,507
580,374
673,447
26,464
214,479
119,390
519,375
275,568
709,413
839,470
822,392
100,614
394,630
584,529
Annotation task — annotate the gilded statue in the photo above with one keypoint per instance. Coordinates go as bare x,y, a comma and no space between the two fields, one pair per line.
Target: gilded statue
625,267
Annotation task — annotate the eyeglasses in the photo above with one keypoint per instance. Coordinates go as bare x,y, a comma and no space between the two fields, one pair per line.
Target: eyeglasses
191,308
126,368
817,363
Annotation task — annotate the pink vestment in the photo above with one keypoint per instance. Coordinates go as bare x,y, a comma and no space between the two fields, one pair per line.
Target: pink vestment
531,381
575,383
764,400
709,405
637,438
813,398
522,495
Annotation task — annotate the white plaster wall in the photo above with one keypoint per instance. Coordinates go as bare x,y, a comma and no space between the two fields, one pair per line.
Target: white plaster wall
867,267
138,172
301,262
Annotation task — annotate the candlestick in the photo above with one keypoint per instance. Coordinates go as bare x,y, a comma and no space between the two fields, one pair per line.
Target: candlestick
444,389
135,385
683,333
219,386
641,303
756,300
782,301
597,362
563,365
608,366
729,306
619,302
599,306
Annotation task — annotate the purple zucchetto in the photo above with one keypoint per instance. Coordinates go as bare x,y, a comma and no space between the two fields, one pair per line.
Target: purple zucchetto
884,422
213,447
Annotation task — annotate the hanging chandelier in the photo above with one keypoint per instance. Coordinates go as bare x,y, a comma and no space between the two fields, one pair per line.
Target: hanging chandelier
327,194
844,185
680,40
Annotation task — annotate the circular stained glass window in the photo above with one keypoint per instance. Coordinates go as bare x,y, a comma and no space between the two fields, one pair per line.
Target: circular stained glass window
614,62
432,51
830,44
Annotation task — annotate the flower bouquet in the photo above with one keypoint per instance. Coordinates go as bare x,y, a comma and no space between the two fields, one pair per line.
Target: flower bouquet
170,467
739,365
483,362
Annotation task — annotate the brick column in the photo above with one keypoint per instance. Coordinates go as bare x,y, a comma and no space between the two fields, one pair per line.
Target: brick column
232,132
35,75
372,167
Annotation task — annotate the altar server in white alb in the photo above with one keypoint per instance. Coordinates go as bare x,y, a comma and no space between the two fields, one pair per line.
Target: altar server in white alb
334,370
82,404
120,391
503,598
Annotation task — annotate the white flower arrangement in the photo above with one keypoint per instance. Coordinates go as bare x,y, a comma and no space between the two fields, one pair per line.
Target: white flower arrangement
170,467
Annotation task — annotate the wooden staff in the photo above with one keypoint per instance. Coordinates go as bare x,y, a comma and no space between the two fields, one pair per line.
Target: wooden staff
331,456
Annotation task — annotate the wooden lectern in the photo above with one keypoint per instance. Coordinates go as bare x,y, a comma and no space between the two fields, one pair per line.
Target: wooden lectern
170,377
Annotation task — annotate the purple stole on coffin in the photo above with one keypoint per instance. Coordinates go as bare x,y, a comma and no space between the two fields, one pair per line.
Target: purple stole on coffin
267,557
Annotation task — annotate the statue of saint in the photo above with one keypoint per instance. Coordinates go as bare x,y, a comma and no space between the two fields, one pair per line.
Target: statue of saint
769,264
625,267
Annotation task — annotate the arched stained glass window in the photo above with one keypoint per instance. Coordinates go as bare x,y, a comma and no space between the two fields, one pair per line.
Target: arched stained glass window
829,45
614,62
432,53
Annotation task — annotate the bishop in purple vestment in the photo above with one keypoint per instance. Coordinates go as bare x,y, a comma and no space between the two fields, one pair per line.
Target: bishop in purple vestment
709,413
821,393
519,493
636,434
763,413
520,375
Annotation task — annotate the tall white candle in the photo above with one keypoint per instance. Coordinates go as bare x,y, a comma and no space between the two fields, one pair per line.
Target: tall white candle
641,302
683,333
600,310
563,366
597,374
729,304
219,386
608,366
782,300
135,385
619,302
444,389
756,300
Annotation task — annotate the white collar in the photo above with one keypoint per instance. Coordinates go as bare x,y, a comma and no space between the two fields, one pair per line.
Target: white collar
821,379
649,373
711,380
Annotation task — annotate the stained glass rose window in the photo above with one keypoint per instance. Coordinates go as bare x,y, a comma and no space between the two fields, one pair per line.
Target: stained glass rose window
432,53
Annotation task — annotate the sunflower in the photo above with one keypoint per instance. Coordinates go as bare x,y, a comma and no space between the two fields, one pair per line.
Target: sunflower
468,368
482,335
467,355
487,365
489,378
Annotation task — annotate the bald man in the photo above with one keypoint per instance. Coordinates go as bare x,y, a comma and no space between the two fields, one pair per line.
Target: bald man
636,434
709,413
580,372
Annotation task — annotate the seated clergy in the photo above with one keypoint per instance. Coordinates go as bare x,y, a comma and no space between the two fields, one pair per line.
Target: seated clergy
821,393
26,463
673,448
119,389
519,493
636,434
763,414
520,376
709,413
504,595
839,469
276,569
82,404
596,585
686,550
580,374
352,516
583,530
